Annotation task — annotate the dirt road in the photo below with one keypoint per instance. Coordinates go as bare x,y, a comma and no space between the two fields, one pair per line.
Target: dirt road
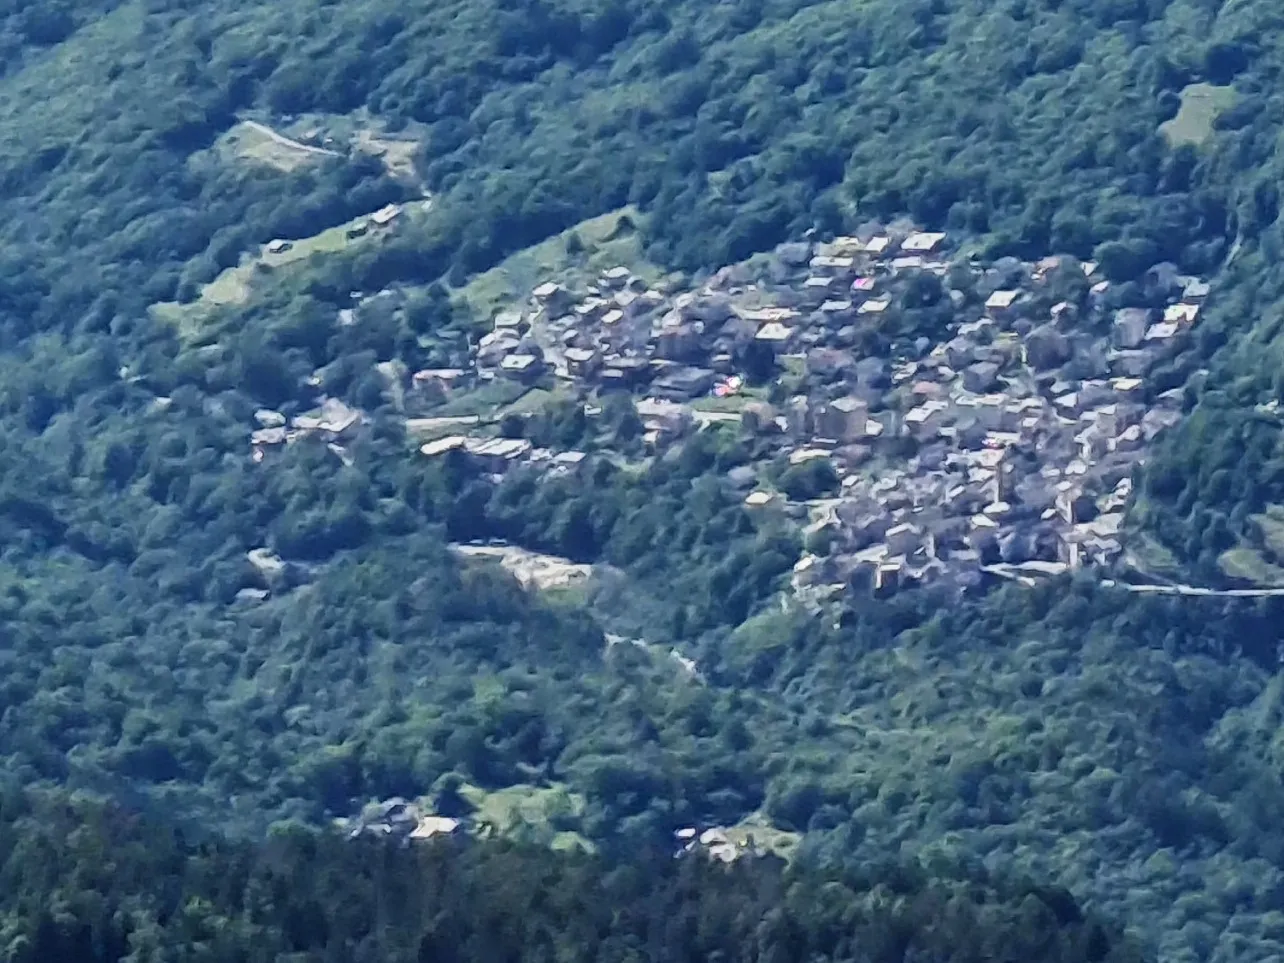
287,142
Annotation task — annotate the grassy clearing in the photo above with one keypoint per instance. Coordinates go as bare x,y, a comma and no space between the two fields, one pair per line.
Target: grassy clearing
1259,567
537,399
1249,565
532,813
530,403
572,596
733,404
485,401
544,814
730,404
757,832
366,133
606,243
1271,525
430,429
397,154
236,285
1200,105
248,143
1150,558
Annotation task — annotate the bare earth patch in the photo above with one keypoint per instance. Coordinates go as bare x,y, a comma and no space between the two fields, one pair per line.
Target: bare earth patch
530,568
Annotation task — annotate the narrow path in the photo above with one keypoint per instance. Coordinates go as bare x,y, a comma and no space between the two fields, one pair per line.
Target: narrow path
288,142
1257,593
1004,571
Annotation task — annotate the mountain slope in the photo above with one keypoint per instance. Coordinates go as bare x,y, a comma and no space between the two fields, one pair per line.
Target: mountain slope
1114,743
737,124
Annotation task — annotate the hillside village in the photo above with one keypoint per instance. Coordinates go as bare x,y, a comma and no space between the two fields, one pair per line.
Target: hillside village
961,420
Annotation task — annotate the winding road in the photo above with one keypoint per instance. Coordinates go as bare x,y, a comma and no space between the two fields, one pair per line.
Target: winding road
1146,588
1257,593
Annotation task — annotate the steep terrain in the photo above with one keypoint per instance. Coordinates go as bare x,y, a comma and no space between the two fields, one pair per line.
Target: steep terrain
97,885
1124,746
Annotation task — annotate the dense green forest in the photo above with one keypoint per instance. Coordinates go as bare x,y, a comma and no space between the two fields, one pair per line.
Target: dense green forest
1125,748
95,884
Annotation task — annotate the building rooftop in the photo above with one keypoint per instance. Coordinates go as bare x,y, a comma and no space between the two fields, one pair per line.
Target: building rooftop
1181,313
922,243
774,331
497,447
443,445
519,362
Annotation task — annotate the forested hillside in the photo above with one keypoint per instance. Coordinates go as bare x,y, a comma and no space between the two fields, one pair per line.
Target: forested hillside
734,127
1126,747
737,125
96,885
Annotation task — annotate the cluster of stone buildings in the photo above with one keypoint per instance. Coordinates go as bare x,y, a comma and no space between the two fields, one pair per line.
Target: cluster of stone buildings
332,420
1006,448
970,420
1003,445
